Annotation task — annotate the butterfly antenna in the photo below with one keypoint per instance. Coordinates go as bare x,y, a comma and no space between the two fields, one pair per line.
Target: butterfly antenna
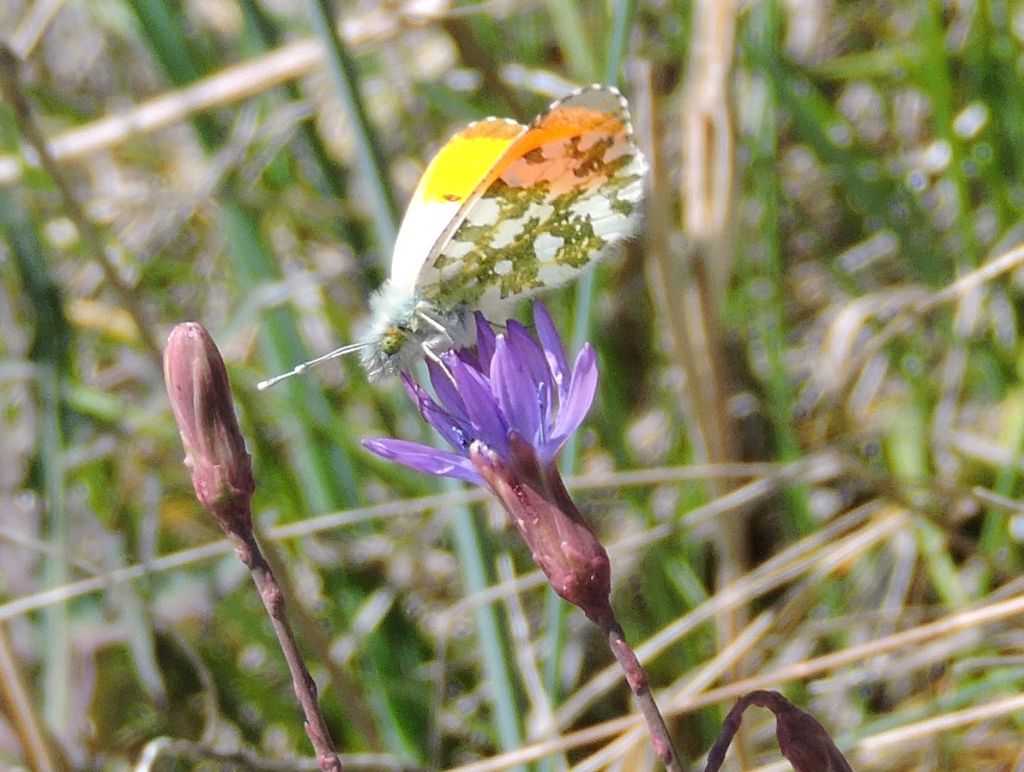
301,368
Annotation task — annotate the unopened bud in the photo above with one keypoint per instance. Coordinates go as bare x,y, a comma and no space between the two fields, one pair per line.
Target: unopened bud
802,739
804,742
197,384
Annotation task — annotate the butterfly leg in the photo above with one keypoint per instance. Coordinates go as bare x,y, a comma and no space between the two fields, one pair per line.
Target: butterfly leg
434,357
432,322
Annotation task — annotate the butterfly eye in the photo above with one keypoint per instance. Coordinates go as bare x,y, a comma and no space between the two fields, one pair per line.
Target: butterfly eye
392,340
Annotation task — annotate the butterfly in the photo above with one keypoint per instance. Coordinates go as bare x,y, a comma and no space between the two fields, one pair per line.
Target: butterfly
502,212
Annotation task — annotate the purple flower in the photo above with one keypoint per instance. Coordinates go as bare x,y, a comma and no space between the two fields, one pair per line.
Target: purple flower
510,385
507,410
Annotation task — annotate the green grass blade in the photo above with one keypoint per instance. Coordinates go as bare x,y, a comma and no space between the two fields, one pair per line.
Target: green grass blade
766,279
493,655
573,39
556,608
369,158
50,355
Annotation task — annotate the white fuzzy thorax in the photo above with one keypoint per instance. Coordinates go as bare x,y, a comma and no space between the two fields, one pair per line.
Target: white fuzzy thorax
399,315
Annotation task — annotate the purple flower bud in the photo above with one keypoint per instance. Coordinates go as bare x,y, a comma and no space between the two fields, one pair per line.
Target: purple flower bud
200,394
802,739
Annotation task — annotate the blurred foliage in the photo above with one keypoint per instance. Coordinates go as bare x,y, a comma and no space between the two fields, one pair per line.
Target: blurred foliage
819,400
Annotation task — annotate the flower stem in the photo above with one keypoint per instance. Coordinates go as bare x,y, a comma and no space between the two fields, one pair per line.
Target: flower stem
249,553
636,677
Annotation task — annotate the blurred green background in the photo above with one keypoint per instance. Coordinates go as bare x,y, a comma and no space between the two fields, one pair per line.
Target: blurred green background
805,455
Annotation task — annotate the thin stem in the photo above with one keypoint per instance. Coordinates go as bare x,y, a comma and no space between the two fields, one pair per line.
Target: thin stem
357,711
249,553
10,87
730,726
636,677
40,751
369,159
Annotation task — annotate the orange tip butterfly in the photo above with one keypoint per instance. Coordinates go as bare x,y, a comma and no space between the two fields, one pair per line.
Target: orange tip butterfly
502,212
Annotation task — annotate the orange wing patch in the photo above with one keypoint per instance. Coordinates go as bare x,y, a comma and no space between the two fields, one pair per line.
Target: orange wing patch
564,191
564,123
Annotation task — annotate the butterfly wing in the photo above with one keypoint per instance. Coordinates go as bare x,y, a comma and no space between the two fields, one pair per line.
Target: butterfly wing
558,197
452,176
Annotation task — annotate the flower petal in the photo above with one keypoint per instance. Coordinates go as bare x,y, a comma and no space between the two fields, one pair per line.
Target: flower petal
454,427
468,356
424,458
515,390
410,385
457,432
531,356
482,409
484,341
444,388
528,352
554,351
416,393
511,389
579,398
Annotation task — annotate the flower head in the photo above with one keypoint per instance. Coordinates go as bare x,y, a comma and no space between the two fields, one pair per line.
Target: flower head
197,384
507,410
512,384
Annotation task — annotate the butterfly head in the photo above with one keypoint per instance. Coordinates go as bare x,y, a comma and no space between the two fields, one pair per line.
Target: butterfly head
405,328
392,341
